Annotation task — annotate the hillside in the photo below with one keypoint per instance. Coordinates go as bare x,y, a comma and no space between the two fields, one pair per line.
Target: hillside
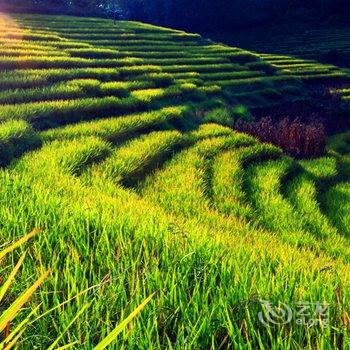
109,144
326,43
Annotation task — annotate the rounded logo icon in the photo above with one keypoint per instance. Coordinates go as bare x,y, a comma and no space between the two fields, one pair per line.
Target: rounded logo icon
274,315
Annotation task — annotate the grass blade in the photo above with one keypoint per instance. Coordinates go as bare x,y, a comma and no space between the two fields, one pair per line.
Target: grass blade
13,342
113,335
18,243
68,346
11,312
54,344
9,280
19,329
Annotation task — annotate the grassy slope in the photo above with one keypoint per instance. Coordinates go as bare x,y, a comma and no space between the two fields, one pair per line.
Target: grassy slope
297,51
309,43
136,196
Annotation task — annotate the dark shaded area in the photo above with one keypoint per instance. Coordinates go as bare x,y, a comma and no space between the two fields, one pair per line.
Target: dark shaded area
321,106
301,128
197,15
335,57
18,144
296,138
324,41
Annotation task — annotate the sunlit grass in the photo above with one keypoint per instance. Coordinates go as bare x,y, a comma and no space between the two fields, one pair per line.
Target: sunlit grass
162,228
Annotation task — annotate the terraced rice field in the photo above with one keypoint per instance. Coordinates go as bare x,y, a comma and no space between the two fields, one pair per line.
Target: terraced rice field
108,144
302,42
298,52
343,92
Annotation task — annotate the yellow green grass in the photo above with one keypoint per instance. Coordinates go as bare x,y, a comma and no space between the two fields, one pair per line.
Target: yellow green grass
161,228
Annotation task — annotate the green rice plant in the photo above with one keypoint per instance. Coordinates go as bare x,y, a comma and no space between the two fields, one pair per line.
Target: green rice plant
25,45
264,66
144,48
271,95
291,62
229,195
147,95
69,90
74,155
160,79
31,36
128,85
175,91
21,51
94,53
222,116
65,44
210,89
335,193
122,88
345,92
67,159
278,215
208,130
185,61
146,43
339,143
199,68
180,75
46,76
191,81
263,182
243,57
302,191
238,84
117,330
241,112
130,163
13,309
340,76
16,137
146,27
58,112
53,75
11,80
157,36
336,204
67,111
321,169
29,62
142,69
116,129
232,75
158,201
137,52
82,29
186,194
173,267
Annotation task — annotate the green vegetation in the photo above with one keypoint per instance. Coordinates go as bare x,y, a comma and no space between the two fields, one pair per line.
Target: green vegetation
297,52
117,144
16,137
328,44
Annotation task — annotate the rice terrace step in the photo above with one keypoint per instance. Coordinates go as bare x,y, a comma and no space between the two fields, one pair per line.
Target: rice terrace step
161,190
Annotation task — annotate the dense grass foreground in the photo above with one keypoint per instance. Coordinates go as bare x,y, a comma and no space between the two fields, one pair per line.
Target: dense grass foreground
162,229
